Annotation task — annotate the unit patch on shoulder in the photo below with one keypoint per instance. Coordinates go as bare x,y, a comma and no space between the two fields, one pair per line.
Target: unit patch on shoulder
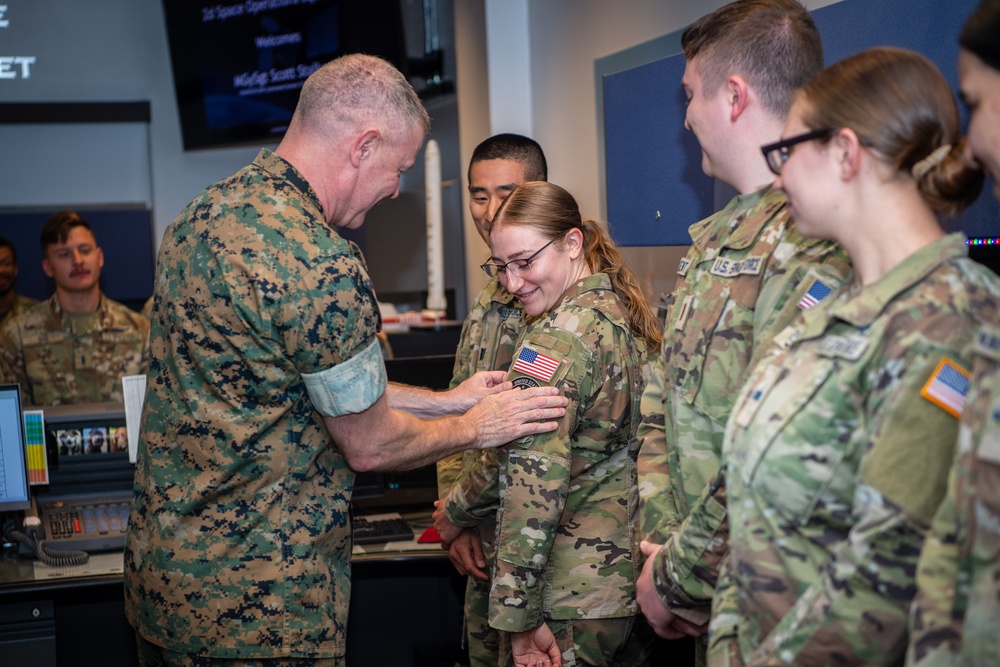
534,363
523,382
947,387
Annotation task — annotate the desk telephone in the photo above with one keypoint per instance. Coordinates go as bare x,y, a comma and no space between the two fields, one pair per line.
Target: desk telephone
62,530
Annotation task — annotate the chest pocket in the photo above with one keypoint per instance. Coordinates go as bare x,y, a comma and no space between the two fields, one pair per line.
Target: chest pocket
794,448
714,338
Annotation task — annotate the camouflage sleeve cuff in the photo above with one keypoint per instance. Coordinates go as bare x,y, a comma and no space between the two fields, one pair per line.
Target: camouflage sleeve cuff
688,566
461,513
515,598
672,595
350,387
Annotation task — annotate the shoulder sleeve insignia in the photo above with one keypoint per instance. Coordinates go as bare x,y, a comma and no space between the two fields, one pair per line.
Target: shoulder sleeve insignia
534,363
947,387
816,293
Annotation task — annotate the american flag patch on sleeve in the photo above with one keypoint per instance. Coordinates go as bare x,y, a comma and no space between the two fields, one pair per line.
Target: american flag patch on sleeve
947,387
535,364
817,292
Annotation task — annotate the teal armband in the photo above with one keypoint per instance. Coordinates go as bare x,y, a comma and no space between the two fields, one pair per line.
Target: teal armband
350,387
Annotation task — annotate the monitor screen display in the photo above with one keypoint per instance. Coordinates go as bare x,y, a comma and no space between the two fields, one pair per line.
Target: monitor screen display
13,457
238,67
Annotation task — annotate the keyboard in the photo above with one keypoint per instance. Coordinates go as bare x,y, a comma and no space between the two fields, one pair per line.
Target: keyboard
85,523
378,528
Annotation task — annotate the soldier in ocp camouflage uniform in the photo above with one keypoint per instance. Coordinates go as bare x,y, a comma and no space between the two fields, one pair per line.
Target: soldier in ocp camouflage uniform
747,274
11,303
566,563
267,382
498,165
75,346
838,444
956,614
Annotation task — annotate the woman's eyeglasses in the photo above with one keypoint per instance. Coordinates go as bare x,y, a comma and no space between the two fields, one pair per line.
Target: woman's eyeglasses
776,154
515,266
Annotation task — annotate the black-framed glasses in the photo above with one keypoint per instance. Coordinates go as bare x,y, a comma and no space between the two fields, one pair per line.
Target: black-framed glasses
776,154
515,266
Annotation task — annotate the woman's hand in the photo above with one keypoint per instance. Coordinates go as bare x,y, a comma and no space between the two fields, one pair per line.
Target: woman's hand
535,648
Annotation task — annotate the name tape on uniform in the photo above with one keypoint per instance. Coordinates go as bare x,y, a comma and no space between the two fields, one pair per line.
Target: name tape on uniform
726,268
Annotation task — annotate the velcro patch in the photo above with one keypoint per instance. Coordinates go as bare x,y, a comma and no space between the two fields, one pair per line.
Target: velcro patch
816,293
534,363
844,347
947,387
750,266
988,342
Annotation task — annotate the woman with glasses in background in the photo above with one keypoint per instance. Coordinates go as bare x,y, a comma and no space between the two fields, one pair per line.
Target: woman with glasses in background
563,590
839,444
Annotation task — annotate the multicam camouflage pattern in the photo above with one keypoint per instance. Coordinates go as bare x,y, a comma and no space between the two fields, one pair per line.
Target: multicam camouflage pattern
239,539
487,343
955,618
61,358
743,279
21,304
836,464
566,543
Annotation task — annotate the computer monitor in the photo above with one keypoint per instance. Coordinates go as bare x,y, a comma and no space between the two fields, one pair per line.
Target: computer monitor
13,456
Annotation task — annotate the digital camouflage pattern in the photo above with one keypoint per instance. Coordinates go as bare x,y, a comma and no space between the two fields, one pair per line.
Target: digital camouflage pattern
489,334
61,358
566,543
956,615
239,541
836,463
743,279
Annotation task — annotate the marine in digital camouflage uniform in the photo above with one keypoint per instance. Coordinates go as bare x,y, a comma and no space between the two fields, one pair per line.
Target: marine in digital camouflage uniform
836,458
747,275
239,537
955,619
61,357
566,547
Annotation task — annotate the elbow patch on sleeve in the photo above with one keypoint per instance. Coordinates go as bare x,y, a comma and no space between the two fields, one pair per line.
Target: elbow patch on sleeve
350,387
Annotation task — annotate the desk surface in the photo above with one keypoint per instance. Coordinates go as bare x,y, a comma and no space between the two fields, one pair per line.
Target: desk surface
22,573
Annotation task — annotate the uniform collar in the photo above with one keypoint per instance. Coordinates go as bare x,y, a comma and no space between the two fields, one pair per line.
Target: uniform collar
752,211
860,306
496,293
269,161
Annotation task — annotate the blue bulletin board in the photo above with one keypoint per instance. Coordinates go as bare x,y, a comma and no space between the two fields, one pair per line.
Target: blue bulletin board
655,186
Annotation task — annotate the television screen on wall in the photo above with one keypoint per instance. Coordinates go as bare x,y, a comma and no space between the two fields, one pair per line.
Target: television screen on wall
238,67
